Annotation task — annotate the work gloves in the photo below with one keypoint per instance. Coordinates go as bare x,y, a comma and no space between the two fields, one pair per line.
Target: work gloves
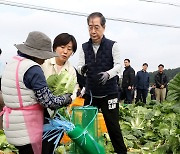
104,76
84,69
67,99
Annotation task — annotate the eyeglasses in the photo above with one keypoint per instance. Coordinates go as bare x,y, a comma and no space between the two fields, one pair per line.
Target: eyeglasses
96,27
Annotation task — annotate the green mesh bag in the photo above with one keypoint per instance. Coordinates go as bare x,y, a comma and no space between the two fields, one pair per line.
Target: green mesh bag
85,135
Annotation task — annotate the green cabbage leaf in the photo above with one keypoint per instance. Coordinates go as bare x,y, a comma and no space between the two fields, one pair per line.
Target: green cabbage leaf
174,88
62,83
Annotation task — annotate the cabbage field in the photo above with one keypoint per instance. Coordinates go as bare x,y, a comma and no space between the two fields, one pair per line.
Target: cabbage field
153,128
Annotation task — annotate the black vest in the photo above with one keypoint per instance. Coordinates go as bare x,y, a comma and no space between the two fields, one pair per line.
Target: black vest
101,63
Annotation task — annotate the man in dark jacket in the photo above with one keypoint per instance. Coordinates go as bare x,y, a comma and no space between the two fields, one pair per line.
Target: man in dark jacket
128,82
100,60
142,83
161,83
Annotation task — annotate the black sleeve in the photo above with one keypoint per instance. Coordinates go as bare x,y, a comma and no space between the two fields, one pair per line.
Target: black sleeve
148,80
132,77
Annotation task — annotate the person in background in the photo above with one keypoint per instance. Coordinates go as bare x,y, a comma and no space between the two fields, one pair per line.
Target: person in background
161,82
128,82
152,92
26,94
142,83
99,60
64,45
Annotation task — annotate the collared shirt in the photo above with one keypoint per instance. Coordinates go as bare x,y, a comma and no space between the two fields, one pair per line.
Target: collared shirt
116,59
50,67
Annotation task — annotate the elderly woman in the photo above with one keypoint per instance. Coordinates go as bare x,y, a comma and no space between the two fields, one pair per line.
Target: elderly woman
25,93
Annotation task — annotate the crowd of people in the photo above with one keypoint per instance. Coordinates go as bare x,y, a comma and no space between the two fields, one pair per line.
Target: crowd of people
28,100
136,86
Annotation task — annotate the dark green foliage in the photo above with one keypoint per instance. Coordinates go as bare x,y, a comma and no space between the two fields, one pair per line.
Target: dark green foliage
174,88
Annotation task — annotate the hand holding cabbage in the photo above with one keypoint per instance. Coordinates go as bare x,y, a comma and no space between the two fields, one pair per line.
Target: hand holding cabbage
62,85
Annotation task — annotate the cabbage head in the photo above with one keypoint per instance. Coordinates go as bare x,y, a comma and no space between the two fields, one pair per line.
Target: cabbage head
62,83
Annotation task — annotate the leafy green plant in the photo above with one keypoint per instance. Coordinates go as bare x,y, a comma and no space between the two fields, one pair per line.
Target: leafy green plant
174,88
5,147
62,83
151,129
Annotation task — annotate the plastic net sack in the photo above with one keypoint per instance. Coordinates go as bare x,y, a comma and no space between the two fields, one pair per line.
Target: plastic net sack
86,136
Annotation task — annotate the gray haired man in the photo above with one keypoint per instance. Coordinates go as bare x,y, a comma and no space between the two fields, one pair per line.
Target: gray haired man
100,61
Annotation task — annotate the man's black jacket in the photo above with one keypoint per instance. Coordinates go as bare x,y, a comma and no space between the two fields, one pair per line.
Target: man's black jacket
128,77
160,79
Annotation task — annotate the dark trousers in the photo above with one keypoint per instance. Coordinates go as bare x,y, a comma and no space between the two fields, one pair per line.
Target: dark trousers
128,94
153,97
110,111
141,95
25,149
48,146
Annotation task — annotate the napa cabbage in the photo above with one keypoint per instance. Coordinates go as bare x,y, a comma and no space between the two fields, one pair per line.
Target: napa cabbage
61,83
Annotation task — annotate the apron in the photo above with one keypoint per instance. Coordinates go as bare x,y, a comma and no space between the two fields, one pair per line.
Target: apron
33,116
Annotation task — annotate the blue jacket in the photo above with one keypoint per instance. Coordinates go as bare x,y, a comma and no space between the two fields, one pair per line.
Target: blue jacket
142,80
